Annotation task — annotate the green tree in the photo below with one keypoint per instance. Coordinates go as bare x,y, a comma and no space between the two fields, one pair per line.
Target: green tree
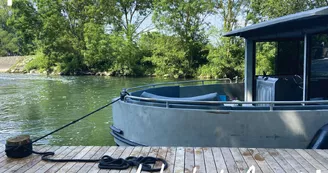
186,19
131,15
265,57
127,56
8,41
226,58
126,29
24,21
167,55
98,52
72,36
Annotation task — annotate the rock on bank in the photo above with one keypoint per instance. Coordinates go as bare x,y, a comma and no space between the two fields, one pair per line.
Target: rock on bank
8,62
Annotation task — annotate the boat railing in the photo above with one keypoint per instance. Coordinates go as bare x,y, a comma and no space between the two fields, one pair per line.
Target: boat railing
271,104
226,80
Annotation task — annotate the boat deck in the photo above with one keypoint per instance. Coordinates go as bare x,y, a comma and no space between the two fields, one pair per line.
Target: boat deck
180,159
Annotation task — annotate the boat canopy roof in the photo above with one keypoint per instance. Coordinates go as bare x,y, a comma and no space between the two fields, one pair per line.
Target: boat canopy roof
293,26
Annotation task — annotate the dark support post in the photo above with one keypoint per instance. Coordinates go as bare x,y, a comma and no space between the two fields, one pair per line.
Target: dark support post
306,66
249,69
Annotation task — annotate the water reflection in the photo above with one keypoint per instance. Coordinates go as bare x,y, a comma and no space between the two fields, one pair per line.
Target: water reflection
35,105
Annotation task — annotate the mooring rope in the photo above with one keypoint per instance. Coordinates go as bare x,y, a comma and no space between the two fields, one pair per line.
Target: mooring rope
106,162
77,120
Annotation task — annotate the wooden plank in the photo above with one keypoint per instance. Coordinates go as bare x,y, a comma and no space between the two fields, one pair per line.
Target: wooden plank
78,165
4,160
117,154
228,159
2,155
135,152
23,164
318,158
170,158
247,155
144,152
73,152
291,160
124,155
260,160
306,165
179,160
153,153
189,160
80,155
310,159
161,154
87,166
281,161
42,163
322,153
241,164
109,152
270,160
2,148
56,156
209,160
219,160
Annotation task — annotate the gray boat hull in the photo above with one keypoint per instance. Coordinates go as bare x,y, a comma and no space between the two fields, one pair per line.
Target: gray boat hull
161,126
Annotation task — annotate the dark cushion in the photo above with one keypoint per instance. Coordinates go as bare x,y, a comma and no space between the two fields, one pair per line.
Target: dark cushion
206,97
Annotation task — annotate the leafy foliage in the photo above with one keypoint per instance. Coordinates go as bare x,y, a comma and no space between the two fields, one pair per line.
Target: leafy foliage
168,55
225,60
186,20
115,36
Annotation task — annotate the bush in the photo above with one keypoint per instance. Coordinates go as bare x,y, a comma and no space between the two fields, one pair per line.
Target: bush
39,62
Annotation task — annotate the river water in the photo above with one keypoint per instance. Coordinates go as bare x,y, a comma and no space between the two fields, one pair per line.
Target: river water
36,105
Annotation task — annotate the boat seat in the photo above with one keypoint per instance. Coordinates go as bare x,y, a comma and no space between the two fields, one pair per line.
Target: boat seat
205,97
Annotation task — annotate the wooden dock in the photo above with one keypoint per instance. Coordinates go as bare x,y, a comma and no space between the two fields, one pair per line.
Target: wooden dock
180,159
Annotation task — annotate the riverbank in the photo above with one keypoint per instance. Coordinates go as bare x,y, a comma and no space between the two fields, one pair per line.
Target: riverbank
8,63
17,64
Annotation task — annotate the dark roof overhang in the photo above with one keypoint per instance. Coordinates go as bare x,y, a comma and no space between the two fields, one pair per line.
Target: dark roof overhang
292,26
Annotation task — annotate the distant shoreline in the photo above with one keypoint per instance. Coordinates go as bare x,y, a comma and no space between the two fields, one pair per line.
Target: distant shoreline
6,63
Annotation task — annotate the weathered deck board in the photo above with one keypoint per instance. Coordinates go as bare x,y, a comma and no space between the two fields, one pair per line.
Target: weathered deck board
228,159
291,160
301,160
210,166
70,155
281,161
260,160
170,158
241,164
135,152
87,166
180,159
23,164
247,155
189,160
219,160
270,160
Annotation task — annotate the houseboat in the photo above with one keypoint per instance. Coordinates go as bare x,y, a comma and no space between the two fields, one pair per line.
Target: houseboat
281,110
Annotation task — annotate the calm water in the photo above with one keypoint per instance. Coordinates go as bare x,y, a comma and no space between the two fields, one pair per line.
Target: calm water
36,105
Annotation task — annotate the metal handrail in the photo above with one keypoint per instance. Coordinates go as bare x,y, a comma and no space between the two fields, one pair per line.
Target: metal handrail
178,82
226,102
270,103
